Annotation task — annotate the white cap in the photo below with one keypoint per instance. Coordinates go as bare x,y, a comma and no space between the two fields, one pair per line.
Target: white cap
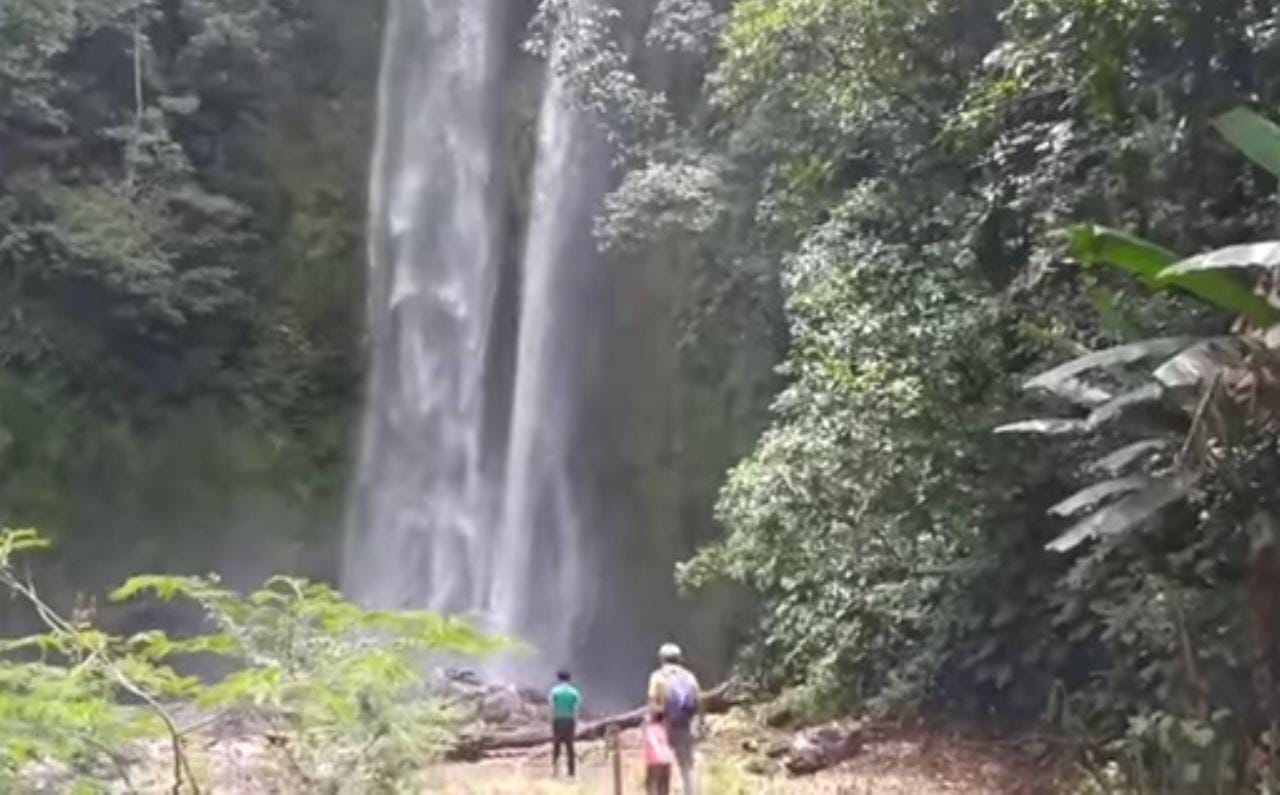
669,652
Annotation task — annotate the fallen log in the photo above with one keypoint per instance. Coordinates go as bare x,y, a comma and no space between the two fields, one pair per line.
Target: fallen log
471,748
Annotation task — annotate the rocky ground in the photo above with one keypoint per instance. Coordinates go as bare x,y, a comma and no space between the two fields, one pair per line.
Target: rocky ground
740,754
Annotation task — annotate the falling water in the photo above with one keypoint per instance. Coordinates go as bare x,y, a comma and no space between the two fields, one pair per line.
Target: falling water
420,510
543,583
471,492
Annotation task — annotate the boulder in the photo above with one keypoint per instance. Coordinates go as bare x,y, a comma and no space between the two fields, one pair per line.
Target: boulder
818,749
502,706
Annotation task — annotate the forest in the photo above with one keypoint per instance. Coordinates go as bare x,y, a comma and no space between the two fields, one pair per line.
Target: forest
965,355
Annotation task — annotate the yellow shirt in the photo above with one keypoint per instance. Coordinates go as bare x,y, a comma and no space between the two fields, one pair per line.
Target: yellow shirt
658,685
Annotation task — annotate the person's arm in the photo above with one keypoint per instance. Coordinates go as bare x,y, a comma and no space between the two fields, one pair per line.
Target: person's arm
698,724
655,693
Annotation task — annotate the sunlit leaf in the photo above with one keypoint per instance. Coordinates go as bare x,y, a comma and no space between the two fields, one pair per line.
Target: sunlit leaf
1200,363
1147,393
1111,357
1045,427
1097,245
1249,255
1255,136
1151,264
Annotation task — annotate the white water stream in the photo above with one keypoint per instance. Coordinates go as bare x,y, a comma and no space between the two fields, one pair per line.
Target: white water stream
469,495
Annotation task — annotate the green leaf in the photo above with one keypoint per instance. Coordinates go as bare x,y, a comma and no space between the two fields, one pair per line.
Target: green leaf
1151,264
1099,245
166,588
1054,339
1255,136
1107,302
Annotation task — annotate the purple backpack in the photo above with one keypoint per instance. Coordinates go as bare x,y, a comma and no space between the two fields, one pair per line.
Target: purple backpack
680,699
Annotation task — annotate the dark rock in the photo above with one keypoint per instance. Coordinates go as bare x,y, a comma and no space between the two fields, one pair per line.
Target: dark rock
463,676
822,748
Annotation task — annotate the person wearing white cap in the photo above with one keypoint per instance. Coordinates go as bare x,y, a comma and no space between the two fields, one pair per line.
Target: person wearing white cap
675,700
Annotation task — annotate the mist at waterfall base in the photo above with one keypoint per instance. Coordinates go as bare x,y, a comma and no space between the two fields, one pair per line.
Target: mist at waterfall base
488,483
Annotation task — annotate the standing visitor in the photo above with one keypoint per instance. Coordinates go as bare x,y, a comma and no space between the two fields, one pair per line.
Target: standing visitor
674,700
657,757
565,703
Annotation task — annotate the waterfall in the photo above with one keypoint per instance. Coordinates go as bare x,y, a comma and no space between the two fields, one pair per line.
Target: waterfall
471,492
420,508
545,579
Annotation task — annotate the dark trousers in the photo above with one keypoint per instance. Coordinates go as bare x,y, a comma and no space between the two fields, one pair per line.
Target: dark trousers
563,732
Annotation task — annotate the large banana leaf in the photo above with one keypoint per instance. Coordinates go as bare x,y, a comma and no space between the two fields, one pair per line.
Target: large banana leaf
1200,363
1264,254
1094,245
1096,493
1254,135
1111,357
1147,393
1082,394
1152,265
1125,514
1045,427
1116,462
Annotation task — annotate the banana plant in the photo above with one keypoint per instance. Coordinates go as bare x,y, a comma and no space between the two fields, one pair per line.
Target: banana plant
1175,418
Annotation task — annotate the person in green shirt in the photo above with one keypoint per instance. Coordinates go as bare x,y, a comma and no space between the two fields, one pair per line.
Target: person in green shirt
565,703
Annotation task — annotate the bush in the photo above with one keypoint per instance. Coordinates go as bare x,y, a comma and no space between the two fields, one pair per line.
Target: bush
342,684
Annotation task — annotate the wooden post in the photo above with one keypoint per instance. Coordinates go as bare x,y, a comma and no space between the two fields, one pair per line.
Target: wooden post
615,750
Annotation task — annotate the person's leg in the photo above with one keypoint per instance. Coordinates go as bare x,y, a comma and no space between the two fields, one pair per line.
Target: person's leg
555,750
657,780
682,747
570,734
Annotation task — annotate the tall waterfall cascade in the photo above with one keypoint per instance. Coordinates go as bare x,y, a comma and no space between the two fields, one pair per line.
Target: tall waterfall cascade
469,497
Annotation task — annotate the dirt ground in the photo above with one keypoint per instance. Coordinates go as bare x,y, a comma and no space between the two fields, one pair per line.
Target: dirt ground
892,761
733,759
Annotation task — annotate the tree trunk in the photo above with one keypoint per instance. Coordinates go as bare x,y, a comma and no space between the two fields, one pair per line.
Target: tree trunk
470,748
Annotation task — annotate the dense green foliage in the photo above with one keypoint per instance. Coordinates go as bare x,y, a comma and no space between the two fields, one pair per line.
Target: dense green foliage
904,174
181,200
891,197
340,686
